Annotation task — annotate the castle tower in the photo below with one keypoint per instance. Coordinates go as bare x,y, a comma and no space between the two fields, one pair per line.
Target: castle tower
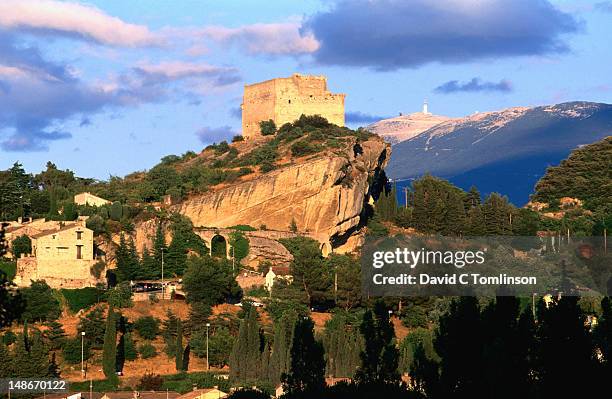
285,99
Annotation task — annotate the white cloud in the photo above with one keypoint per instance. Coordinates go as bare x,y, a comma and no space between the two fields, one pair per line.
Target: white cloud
272,39
74,19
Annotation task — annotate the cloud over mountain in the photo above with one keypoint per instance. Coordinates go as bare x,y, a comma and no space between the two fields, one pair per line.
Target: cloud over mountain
392,34
474,85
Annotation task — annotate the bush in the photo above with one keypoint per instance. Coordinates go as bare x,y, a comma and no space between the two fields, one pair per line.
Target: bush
21,245
237,138
116,211
120,296
267,128
303,147
147,351
41,305
244,171
81,298
243,227
150,382
8,268
71,350
267,167
9,338
147,327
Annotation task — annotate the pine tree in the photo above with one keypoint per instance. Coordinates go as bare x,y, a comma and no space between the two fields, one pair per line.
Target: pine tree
149,268
307,372
109,350
30,356
54,334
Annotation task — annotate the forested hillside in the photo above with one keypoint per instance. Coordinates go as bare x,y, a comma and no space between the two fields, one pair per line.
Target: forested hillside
586,174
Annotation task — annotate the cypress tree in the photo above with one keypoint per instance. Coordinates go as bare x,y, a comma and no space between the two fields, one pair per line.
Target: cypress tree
109,349
120,359
307,372
380,357
246,353
179,346
186,354
280,357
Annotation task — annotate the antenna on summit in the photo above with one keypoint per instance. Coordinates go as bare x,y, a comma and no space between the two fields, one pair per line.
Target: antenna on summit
425,109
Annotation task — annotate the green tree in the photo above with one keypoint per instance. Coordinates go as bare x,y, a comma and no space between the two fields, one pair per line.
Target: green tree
21,245
240,245
126,257
41,305
245,358
343,344
71,350
379,360
109,350
54,335
120,296
308,269
280,359
30,356
220,345
147,327
116,211
178,356
307,372
210,281
94,325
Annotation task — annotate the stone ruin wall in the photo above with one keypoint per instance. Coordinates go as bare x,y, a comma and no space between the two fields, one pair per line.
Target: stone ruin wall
257,105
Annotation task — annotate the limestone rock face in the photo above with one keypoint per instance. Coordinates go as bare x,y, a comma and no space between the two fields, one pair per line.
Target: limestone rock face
324,195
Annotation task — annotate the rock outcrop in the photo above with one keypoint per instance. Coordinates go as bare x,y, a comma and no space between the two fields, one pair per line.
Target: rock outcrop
323,195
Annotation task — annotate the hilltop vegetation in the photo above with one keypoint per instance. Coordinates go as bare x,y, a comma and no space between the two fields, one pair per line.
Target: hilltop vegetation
50,193
586,174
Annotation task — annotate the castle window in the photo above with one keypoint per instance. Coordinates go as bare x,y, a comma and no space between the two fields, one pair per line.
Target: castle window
79,235
289,101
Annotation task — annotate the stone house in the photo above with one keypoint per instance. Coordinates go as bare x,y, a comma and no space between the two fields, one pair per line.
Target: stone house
88,198
62,257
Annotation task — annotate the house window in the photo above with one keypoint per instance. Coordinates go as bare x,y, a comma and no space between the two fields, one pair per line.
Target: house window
79,235
62,250
289,101
79,252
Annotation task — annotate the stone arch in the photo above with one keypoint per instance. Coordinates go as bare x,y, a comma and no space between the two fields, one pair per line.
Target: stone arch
219,246
326,249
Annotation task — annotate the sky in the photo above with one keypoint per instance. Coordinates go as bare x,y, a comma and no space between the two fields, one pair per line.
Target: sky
109,87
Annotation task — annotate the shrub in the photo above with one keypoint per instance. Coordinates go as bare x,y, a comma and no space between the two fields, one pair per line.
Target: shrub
120,296
71,350
267,167
150,382
244,171
147,327
81,298
9,338
116,211
21,245
237,138
97,224
243,227
41,305
303,147
8,268
147,351
267,128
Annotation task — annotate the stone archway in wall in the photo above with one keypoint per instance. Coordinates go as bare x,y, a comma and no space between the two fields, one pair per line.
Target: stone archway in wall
326,249
218,246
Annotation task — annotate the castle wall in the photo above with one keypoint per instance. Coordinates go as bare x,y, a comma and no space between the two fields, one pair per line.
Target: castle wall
257,105
286,99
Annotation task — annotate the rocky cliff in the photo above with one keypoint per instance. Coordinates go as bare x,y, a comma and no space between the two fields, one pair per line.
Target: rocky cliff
324,195
404,127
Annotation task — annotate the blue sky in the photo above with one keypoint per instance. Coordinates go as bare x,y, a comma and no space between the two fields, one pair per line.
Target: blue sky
109,87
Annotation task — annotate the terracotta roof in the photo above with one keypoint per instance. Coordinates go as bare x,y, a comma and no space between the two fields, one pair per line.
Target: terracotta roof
142,395
196,393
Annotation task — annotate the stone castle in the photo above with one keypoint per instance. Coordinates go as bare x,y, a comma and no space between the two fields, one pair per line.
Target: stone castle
286,99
